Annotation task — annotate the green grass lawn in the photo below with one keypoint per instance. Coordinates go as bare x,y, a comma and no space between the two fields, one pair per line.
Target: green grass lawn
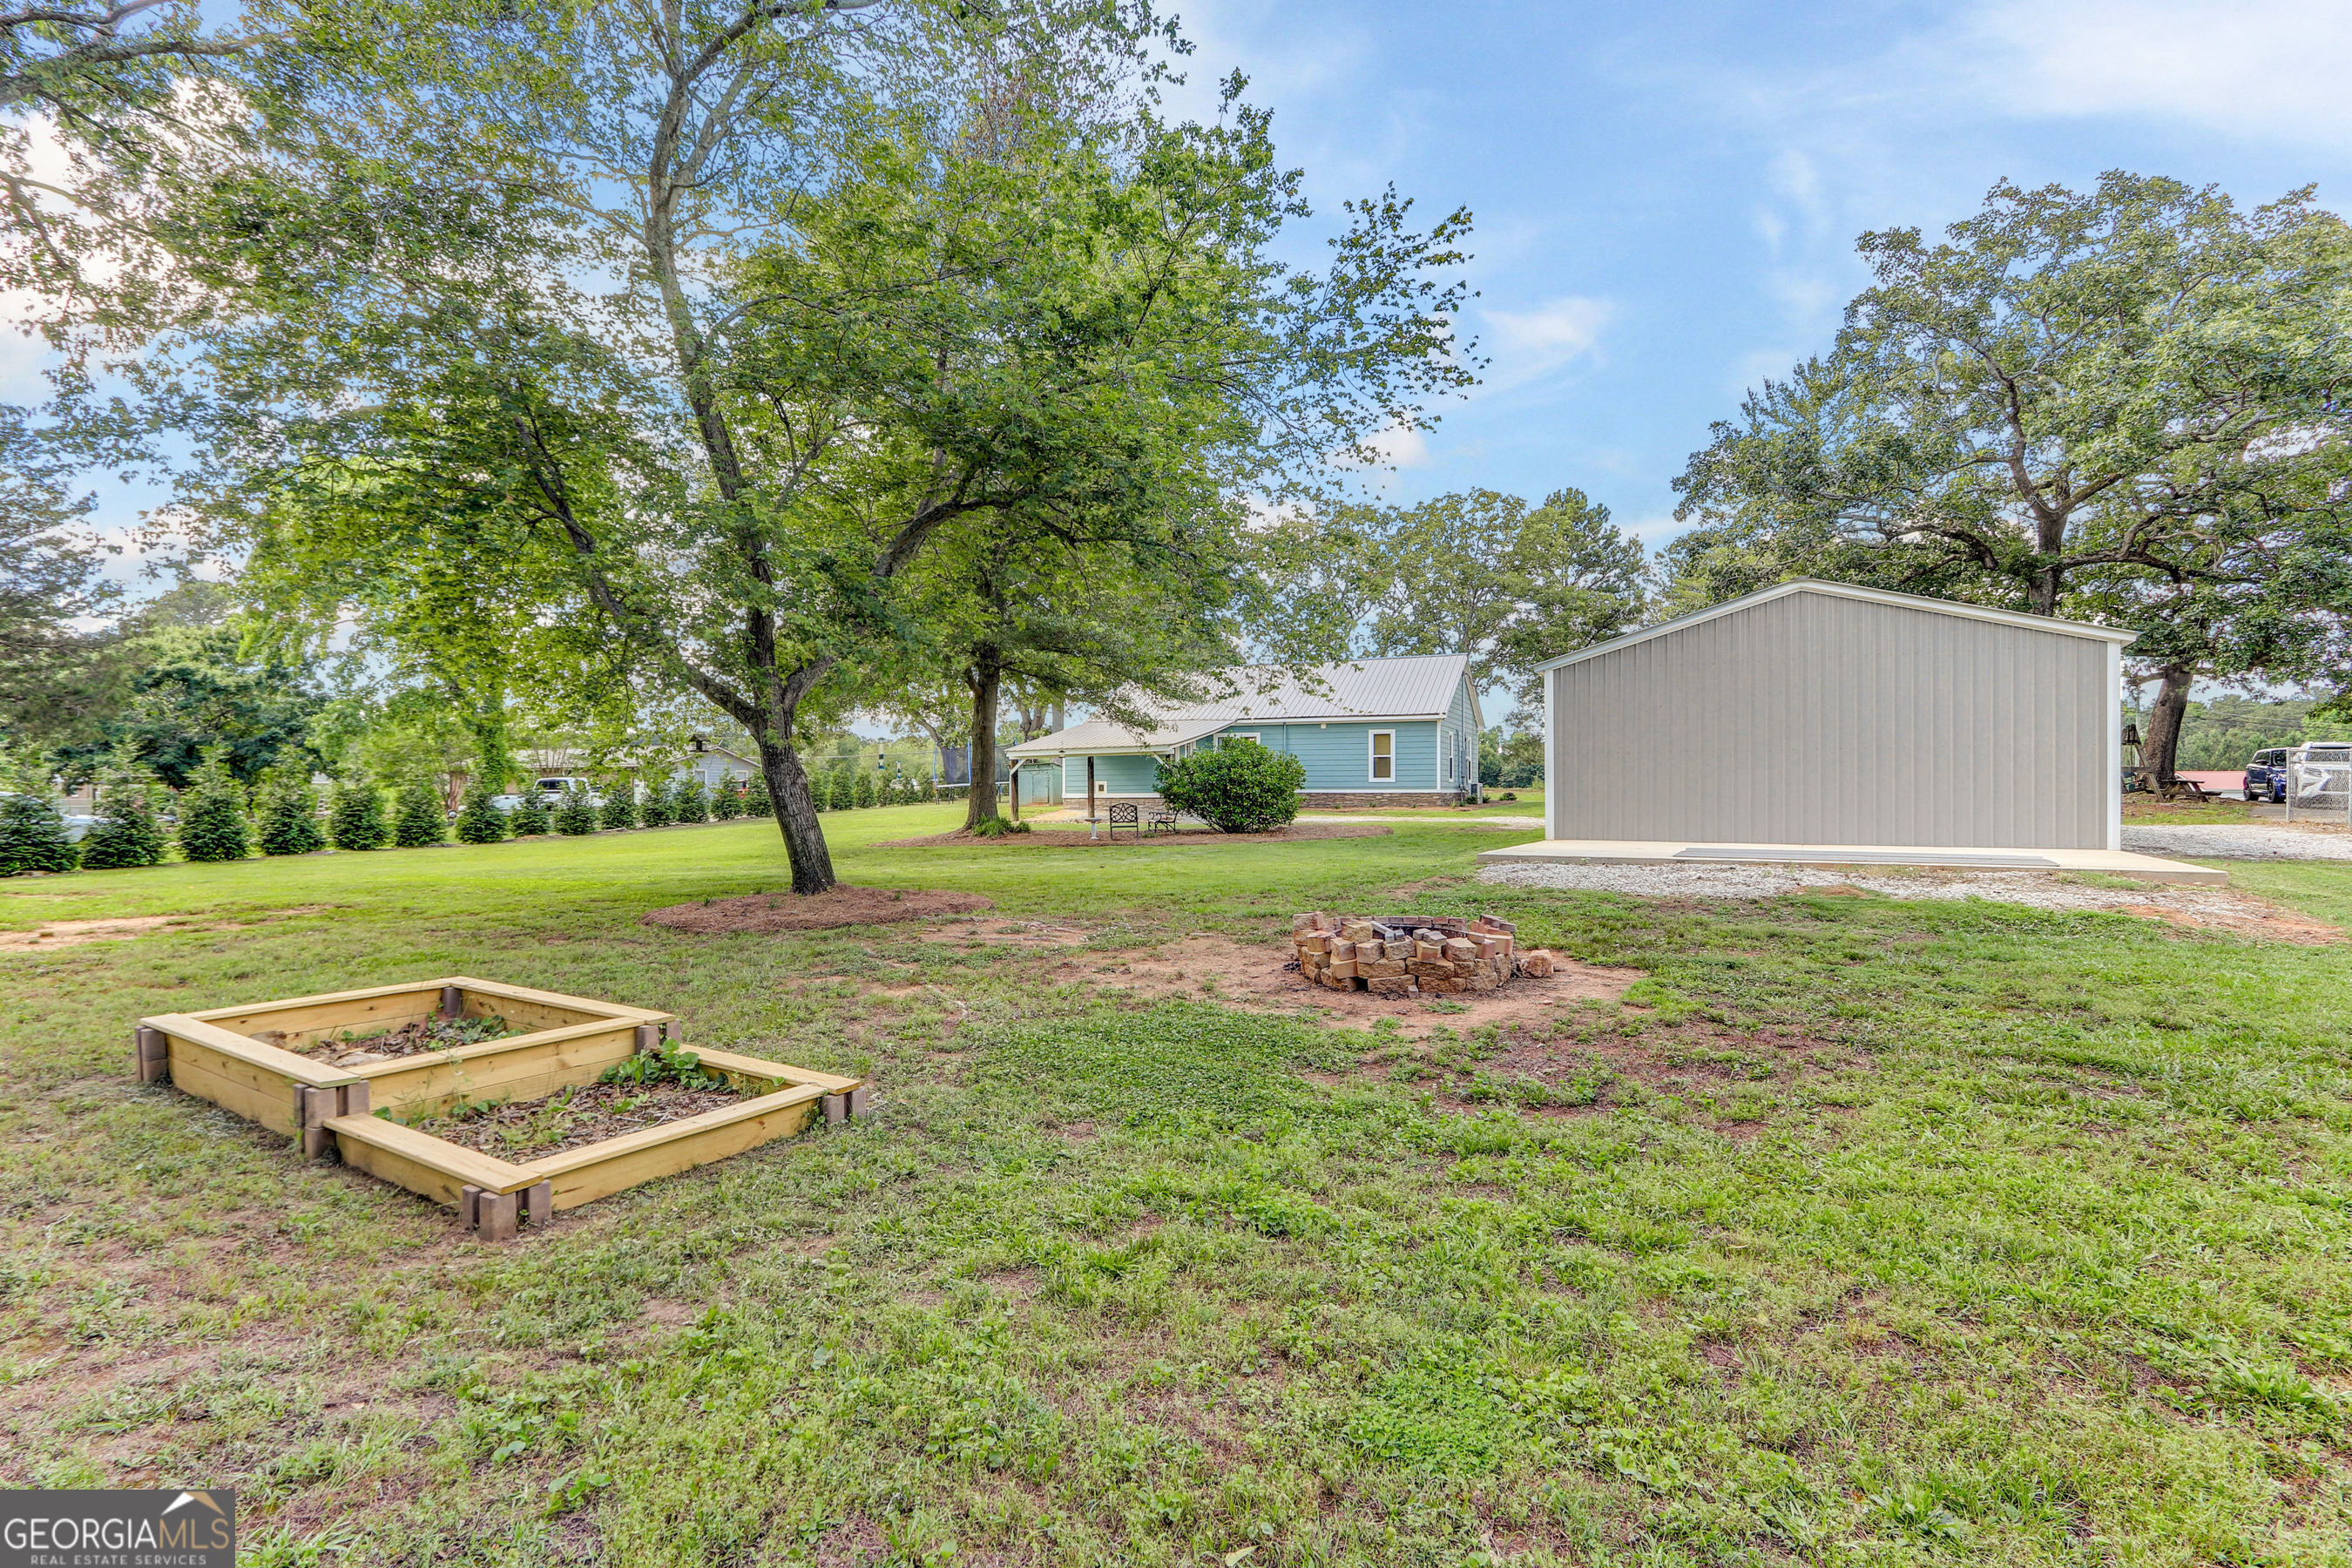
1861,1232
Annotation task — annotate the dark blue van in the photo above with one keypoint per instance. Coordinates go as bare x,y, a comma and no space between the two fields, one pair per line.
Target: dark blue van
2267,776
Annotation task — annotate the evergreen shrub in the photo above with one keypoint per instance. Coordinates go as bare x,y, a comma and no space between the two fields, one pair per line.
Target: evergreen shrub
656,811
620,805
419,820
33,838
689,803
358,820
479,822
212,814
574,813
530,817
756,799
862,792
727,802
126,832
290,819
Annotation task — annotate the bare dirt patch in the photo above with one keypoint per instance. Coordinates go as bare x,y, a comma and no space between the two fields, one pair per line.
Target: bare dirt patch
1264,975
570,1118
1071,838
840,906
2243,916
1009,933
73,933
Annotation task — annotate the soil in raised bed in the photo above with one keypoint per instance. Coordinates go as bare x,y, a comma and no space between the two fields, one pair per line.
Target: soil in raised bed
589,1113
838,906
417,1037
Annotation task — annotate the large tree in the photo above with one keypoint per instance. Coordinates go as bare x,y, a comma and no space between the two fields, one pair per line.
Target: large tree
852,303
2067,382
1484,573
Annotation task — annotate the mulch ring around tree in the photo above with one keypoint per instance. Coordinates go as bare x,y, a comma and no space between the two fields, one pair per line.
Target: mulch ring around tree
1072,836
837,906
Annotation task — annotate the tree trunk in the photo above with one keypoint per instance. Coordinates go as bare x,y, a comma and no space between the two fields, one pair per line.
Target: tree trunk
2162,745
985,681
788,790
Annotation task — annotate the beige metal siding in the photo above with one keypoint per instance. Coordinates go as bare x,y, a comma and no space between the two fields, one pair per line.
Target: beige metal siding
1813,719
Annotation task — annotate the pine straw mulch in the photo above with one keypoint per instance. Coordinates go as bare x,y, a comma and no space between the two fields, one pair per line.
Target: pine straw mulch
570,1118
1072,837
838,906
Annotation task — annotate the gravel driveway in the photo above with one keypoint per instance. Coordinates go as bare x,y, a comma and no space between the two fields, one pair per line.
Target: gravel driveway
2216,909
2235,841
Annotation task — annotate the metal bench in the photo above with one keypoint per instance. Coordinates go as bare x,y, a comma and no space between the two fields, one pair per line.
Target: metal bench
1162,820
1124,814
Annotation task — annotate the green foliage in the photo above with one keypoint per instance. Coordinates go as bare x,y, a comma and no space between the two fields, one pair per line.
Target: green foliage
756,799
193,690
1482,573
1510,762
212,814
669,1065
289,810
727,801
358,820
126,832
33,837
575,814
528,818
1239,787
658,809
620,805
419,820
479,822
862,792
687,802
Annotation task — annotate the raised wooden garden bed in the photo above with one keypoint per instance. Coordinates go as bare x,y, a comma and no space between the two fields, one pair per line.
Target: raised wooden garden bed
274,1063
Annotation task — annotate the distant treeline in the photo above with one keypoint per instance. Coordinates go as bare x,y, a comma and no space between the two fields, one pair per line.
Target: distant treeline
2223,733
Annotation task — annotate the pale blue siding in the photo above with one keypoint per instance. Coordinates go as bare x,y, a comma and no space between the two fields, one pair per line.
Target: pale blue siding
1336,754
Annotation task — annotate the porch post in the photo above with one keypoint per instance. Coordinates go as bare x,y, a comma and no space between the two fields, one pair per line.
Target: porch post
1090,786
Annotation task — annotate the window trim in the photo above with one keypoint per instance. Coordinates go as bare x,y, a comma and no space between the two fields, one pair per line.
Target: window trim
1372,758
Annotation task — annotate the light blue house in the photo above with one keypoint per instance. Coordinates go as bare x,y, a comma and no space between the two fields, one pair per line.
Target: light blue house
1371,731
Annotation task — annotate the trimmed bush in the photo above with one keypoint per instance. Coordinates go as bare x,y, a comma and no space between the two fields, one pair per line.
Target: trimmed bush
211,815
688,802
531,818
756,799
290,819
1239,787
620,805
358,820
479,822
33,838
126,832
727,801
418,819
862,792
574,815
656,811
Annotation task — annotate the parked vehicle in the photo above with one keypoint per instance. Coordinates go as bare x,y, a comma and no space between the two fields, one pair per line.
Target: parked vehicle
2266,776
549,792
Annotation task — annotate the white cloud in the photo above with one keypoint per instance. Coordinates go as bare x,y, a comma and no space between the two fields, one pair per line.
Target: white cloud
1526,346
2271,68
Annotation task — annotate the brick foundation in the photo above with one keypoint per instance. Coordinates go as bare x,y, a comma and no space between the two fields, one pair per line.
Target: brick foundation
1340,801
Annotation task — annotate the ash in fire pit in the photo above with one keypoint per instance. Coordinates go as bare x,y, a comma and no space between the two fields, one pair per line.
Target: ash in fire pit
1404,955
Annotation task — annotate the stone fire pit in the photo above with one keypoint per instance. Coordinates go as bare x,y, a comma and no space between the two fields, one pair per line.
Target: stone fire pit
1411,955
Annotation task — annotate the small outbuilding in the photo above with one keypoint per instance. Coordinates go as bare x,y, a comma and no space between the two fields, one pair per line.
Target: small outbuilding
1816,717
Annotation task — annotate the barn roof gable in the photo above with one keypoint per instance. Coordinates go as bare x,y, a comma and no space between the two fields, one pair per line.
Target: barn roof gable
1847,591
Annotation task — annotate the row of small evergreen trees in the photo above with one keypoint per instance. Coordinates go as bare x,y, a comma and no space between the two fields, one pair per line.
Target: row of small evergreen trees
850,788
214,823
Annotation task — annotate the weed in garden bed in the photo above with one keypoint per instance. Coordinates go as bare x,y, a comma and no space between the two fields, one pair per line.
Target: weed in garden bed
573,1116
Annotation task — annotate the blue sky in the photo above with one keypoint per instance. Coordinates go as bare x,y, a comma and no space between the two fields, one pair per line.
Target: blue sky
1667,196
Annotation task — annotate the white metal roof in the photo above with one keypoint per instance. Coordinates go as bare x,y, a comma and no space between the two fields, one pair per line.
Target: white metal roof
1415,686
1847,591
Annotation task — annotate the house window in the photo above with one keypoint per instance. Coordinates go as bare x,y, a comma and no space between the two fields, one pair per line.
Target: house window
1383,756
